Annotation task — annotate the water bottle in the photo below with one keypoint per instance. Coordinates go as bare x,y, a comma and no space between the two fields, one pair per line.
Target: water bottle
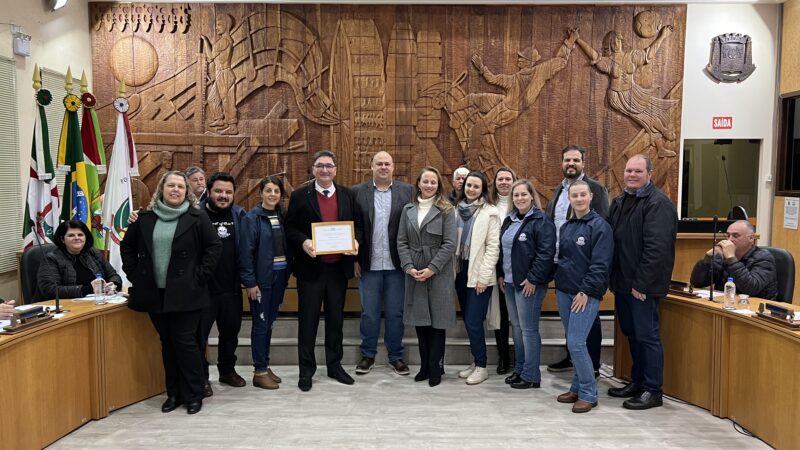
99,285
730,294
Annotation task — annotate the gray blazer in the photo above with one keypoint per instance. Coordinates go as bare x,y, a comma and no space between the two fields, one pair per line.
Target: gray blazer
430,245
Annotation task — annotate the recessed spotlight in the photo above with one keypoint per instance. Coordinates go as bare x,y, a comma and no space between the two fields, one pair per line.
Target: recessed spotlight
56,4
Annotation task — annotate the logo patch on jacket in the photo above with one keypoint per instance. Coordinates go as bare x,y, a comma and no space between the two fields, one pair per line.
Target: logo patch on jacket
581,241
522,237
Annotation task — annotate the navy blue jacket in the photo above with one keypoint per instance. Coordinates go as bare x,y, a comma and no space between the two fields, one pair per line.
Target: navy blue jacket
255,249
585,252
532,254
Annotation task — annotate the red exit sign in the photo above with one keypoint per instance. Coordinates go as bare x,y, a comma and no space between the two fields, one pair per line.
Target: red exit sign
722,122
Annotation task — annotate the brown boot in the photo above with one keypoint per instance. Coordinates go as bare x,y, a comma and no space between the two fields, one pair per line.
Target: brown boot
274,377
582,406
567,397
264,381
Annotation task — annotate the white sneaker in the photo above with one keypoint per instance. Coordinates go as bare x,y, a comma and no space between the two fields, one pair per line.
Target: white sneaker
467,372
478,376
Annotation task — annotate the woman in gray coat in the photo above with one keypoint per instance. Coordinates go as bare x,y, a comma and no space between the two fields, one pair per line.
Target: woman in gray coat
426,241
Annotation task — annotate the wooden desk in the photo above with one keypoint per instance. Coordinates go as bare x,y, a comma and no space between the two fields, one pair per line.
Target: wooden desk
735,366
83,366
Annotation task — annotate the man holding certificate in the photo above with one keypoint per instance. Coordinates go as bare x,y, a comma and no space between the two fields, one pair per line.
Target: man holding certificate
323,234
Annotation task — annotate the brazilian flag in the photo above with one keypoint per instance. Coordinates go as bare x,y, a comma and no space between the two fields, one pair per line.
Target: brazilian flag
75,203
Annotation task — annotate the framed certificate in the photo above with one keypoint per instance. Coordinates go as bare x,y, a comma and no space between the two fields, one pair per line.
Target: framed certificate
333,237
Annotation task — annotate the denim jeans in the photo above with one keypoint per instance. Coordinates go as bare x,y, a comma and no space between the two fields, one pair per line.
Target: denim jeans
474,307
382,288
524,313
264,314
638,320
576,327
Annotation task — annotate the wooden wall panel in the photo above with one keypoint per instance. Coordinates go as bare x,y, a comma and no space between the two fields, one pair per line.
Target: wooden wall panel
788,239
256,88
790,48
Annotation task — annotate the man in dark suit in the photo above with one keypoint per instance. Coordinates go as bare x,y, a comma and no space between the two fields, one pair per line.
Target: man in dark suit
381,282
559,211
321,280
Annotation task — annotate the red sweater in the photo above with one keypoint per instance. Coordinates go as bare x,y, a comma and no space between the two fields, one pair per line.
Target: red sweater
329,208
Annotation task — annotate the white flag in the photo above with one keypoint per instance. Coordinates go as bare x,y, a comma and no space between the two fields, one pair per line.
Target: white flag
117,203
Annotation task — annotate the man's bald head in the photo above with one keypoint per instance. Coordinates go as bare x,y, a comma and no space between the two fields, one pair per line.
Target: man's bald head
382,168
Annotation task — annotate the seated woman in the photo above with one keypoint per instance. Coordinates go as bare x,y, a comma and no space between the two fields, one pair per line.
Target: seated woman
71,268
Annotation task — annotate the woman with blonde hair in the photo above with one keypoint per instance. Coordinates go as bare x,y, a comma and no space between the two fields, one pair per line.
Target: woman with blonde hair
168,255
528,245
426,241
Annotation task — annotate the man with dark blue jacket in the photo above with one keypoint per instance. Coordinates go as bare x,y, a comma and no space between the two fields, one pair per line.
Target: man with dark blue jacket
559,211
225,286
645,226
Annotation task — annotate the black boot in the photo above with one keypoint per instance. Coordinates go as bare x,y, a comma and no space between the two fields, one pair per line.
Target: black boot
423,339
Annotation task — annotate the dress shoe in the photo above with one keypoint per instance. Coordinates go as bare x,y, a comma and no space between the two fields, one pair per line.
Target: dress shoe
399,367
421,376
567,397
478,376
207,391
502,366
582,406
434,381
513,378
264,381
565,365
194,407
645,400
232,379
304,384
522,384
629,390
467,372
365,365
274,377
170,404
341,376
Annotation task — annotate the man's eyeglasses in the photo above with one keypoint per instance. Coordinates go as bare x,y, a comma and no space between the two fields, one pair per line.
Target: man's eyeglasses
324,166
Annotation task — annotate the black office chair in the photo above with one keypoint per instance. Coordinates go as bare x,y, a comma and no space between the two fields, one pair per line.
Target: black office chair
29,268
737,213
784,266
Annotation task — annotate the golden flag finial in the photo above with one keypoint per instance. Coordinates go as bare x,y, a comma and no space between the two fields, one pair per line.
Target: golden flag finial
122,89
37,78
84,83
68,81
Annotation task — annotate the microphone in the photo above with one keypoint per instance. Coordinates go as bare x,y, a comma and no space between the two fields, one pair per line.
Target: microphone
727,181
713,244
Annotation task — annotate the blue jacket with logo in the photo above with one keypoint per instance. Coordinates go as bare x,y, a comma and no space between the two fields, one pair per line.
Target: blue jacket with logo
586,249
533,250
255,249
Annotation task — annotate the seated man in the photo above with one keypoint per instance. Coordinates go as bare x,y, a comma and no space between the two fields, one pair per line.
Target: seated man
752,268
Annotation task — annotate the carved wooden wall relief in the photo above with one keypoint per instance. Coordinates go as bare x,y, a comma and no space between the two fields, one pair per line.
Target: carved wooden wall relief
255,89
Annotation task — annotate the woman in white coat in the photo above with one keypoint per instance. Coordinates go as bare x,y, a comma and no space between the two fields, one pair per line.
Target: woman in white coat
478,223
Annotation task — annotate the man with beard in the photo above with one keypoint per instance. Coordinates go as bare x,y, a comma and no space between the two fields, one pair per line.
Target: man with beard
197,182
558,209
225,287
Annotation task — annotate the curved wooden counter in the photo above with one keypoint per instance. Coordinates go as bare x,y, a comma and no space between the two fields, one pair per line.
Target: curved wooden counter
735,366
58,376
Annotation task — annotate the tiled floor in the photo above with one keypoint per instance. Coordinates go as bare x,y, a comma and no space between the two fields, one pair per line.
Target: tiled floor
384,410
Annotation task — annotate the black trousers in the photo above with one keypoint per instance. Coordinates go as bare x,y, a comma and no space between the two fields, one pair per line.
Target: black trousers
431,351
594,343
327,289
183,362
501,334
226,310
